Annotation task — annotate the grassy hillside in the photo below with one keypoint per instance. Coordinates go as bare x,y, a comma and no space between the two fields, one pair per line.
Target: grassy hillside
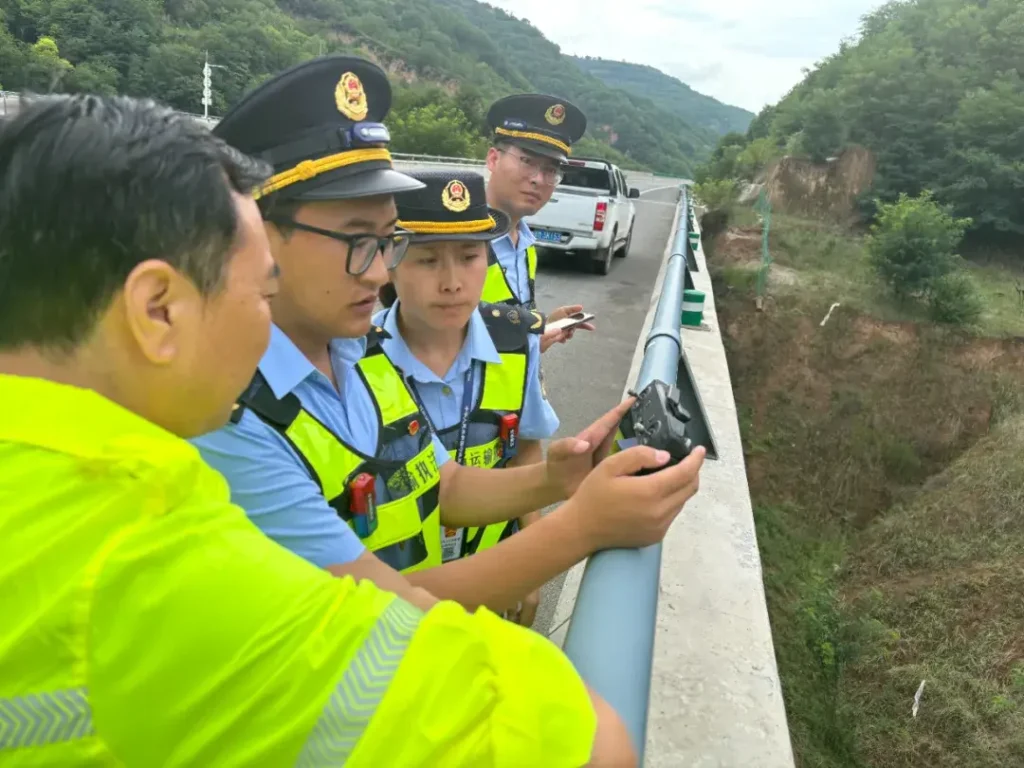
448,58
670,94
883,460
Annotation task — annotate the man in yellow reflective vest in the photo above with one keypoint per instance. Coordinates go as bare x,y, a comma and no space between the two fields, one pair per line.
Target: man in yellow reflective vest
146,621
532,138
360,485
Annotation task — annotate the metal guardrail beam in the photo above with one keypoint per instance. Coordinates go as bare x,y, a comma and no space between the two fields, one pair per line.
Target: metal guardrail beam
610,636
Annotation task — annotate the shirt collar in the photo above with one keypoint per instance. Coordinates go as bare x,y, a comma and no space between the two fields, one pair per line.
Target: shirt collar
526,238
283,364
285,367
477,346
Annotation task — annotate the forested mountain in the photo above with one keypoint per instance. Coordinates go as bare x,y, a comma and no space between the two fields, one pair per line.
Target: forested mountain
670,94
934,88
447,58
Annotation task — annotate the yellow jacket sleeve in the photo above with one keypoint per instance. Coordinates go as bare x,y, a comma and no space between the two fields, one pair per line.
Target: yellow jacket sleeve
209,645
475,690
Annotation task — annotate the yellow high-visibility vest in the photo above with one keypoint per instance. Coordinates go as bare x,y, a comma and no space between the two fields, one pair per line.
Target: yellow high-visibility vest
148,624
498,290
502,391
408,534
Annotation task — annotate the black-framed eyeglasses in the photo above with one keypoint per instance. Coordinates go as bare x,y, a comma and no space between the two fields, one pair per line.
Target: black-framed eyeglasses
531,166
362,248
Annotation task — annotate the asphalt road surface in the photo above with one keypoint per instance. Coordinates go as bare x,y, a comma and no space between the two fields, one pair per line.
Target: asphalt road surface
585,377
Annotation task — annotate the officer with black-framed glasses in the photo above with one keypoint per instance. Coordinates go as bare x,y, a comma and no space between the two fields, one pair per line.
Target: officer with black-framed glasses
362,247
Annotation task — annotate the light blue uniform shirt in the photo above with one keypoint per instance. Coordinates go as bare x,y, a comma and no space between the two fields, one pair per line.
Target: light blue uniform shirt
267,477
512,260
442,397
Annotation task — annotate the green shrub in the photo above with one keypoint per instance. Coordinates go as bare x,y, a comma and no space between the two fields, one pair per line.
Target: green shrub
913,244
435,129
756,156
717,194
954,299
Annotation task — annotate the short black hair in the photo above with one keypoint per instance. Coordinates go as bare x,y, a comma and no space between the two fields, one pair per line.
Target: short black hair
92,187
280,211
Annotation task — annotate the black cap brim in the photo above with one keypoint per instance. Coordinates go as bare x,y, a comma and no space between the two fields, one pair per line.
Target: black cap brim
538,148
370,183
502,225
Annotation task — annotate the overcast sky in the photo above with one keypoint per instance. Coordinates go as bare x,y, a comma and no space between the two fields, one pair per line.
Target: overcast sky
743,52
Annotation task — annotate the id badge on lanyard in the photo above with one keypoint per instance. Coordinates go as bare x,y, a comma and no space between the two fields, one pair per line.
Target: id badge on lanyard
451,543
452,539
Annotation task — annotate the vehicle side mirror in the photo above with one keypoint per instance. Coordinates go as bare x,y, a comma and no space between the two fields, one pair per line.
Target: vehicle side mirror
634,193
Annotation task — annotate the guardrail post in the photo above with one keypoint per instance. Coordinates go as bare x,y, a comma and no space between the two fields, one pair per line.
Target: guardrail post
610,637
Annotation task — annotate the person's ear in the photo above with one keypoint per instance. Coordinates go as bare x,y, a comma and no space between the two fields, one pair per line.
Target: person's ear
160,304
493,155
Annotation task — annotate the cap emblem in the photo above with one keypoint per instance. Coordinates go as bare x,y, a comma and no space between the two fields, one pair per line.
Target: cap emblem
555,114
455,196
350,97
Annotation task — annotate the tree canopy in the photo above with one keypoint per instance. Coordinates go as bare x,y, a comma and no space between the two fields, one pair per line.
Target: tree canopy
448,59
934,89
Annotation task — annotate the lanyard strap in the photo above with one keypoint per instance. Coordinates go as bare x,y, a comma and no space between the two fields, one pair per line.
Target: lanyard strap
467,406
467,409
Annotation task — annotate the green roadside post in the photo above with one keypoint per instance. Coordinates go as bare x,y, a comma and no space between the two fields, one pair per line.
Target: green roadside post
693,308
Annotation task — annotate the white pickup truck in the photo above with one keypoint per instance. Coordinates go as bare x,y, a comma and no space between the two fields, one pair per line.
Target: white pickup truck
591,211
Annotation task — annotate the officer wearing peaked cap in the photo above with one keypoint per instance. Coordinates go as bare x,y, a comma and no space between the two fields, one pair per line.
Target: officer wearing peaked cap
329,452
320,125
475,368
543,125
330,216
532,138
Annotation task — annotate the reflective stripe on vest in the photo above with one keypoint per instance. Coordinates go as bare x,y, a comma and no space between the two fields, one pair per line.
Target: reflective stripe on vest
361,689
408,535
498,290
41,719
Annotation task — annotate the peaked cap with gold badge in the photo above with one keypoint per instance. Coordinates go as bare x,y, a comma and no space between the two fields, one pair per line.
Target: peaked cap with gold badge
451,206
320,125
546,125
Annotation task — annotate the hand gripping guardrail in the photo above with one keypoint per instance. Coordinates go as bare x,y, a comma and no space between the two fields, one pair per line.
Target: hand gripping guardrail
610,636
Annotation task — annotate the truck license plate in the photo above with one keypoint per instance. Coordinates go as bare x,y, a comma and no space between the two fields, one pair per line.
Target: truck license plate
548,237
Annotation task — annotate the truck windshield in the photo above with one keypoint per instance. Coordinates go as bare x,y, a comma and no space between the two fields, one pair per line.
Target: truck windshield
588,178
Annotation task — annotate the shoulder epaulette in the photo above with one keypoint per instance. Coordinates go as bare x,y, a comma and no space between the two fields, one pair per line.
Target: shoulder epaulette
376,335
510,324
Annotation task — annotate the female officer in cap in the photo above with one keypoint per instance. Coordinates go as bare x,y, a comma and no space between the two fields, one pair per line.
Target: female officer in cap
474,369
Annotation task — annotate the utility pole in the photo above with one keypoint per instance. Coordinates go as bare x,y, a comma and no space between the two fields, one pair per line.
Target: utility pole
207,81
207,84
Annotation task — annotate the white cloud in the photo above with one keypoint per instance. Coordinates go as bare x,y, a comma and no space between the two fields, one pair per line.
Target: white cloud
743,52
